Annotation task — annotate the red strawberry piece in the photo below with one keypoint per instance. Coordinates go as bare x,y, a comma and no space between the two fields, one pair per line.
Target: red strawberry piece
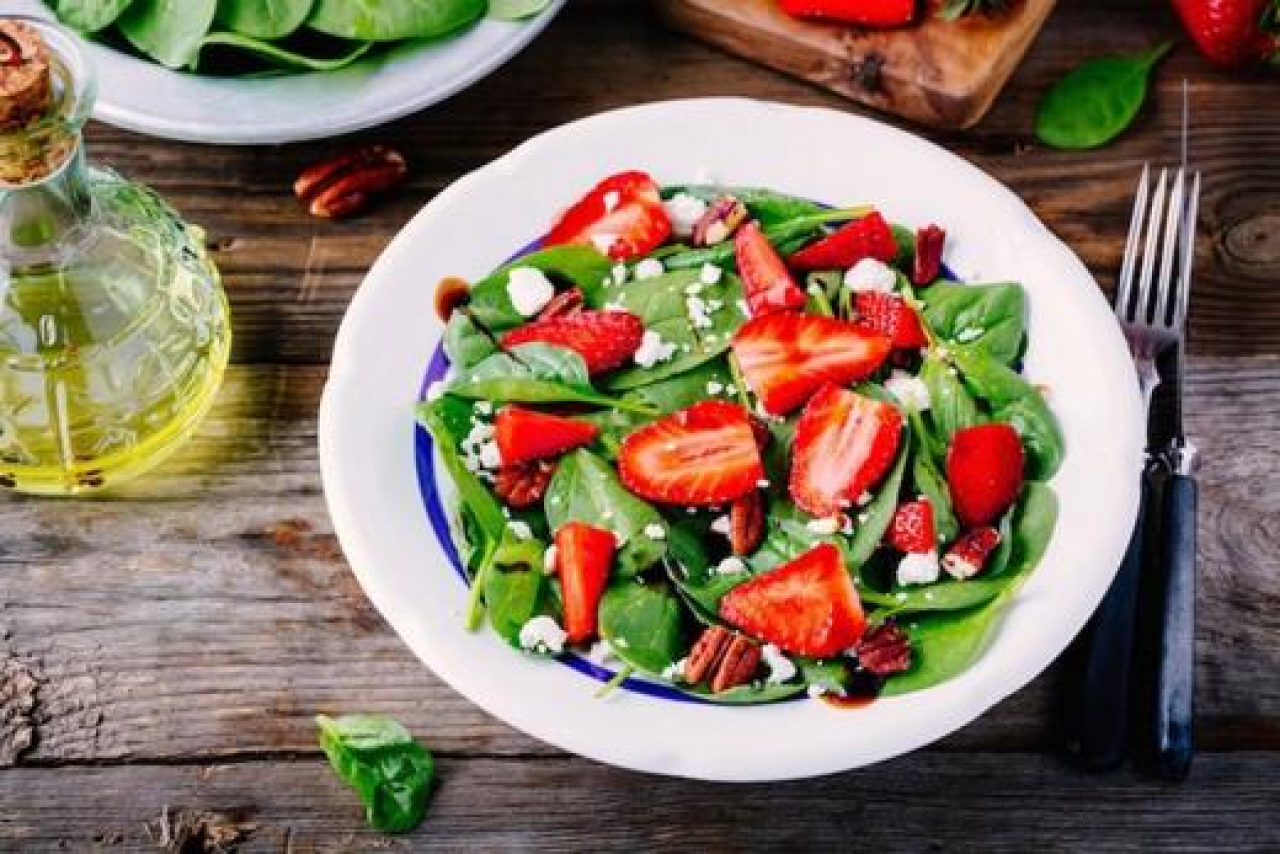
984,472
868,237
706,454
786,357
768,284
891,316
808,606
1233,33
604,339
583,557
844,444
930,241
968,554
912,530
869,13
523,434
622,216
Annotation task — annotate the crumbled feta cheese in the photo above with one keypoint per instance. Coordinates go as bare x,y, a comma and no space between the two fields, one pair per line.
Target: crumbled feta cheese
549,559
694,289
436,389
710,274
542,634
603,242
649,268
619,274
614,306
781,668
611,200
825,527
969,333
601,654
730,566
731,389
910,391
870,274
684,211
653,350
763,483
655,531
520,529
714,387
674,672
482,407
960,567
490,456
529,289
722,525
698,315
918,568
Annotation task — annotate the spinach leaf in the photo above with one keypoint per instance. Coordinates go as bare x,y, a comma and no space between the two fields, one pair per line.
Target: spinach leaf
951,406
392,20
277,56
874,519
585,488
947,643
89,16
754,694
663,303
1015,401
990,318
685,389
378,758
534,373
1096,102
581,266
642,624
766,206
516,10
906,240
514,597
689,568
263,19
832,675
465,343
930,483
168,31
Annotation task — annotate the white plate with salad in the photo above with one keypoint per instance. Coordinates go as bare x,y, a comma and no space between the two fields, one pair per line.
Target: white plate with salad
239,72
767,442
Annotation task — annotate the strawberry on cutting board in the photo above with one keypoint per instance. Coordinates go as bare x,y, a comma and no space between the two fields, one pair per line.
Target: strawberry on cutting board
1233,33
524,435
705,454
844,444
584,555
808,606
622,216
891,316
604,339
786,357
869,13
769,285
868,237
985,467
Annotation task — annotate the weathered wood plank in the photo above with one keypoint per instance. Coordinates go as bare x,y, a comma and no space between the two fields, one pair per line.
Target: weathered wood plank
925,802
212,614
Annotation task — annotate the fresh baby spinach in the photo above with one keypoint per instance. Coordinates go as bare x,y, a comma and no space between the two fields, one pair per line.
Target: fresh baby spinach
89,16
168,31
263,19
873,519
929,480
1098,100
516,10
514,597
393,20
465,343
754,694
377,757
277,56
641,622
951,406
535,373
581,266
990,318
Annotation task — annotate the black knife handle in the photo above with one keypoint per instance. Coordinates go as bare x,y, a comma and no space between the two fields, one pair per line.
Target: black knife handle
1103,713
1175,669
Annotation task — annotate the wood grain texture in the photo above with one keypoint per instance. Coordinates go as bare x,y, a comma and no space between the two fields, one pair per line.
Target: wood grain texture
944,74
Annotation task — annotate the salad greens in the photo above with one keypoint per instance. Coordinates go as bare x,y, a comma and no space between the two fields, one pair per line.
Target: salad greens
1098,100
377,757
671,567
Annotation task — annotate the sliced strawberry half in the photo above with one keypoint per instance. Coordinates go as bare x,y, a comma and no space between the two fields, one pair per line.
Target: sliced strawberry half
584,555
844,444
786,357
706,454
912,530
868,237
984,472
808,606
622,216
891,316
765,278
604,339
524,435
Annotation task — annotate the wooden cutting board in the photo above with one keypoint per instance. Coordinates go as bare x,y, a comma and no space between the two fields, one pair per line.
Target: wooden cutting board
944,74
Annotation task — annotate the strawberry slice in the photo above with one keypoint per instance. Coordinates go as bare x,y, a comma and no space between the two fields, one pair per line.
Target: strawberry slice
891,316
912,530
984,472
868,13
808,606
584,555
604,339
706,454
622,216
786,357
869,237
765,278
524,435
844,444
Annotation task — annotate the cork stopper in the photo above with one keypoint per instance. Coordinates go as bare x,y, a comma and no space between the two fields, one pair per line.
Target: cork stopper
26,86
39,104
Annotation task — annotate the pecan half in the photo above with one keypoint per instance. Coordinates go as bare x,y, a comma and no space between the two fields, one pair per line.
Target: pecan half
706,654
524,485
738,666
884,650
563,304
746,523
722,219
344,185
969,553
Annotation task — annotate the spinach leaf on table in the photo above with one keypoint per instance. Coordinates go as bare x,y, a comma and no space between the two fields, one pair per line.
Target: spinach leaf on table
89,16
1098,100
168,31
392,20
534,373
995,314
642,624
580,266
378,758
263,19
768,207
585,488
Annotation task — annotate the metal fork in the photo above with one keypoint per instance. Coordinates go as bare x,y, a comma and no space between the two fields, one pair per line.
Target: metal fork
1151,305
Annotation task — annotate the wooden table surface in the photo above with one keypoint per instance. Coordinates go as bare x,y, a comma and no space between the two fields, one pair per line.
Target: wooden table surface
162,654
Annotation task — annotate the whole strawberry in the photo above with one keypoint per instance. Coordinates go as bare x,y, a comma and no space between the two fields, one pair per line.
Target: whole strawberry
1233,33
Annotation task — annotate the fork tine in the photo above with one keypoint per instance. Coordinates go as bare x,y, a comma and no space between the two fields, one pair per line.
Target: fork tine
1170,250
1142,310
1124,289
1188,254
